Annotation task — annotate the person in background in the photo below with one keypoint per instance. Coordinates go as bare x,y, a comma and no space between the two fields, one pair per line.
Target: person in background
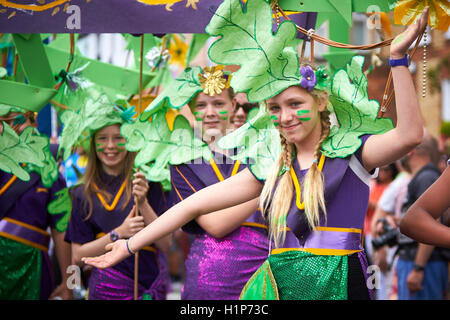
104,211
422,270
241,109
24,219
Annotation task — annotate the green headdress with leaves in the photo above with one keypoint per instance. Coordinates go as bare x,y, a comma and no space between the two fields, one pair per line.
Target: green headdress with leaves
269,66
156,144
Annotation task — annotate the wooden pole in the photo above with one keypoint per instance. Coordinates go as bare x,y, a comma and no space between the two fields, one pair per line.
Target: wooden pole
136,256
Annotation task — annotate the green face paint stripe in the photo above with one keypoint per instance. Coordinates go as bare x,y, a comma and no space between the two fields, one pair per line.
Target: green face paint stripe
200,115
302,112
223,112
304,119
224,118
99,149
273,117
121,144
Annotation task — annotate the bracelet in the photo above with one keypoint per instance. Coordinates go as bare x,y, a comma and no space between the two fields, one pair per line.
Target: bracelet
399,62
128,248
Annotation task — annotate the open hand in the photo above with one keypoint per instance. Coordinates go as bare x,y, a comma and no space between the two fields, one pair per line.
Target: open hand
118,253
403,41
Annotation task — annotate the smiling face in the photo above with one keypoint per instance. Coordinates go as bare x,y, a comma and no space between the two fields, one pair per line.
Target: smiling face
213,112
110,149
295,113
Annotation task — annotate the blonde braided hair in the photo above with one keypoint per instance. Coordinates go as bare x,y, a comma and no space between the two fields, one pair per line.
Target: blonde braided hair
276,203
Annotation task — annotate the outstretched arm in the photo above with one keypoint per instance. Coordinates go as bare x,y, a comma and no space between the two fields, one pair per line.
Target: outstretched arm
420,221
385,148
230,218
233,191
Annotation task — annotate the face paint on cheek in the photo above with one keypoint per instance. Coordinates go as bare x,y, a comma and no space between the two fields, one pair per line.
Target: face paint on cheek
300,114
121,146
274,119
100,147
223,115
199,115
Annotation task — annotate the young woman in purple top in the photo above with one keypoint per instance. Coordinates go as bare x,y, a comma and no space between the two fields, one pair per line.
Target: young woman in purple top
103,211
220,260
317,252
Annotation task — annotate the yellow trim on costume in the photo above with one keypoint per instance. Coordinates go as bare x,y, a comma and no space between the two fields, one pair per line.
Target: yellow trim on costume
193,189
178,193
338,229
113,205
236,167
254,224
22,240
7,185
317,251
41,190
298,190
28,226
217,171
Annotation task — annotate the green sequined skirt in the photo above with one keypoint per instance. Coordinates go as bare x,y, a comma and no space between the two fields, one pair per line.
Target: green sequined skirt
299,275
20,267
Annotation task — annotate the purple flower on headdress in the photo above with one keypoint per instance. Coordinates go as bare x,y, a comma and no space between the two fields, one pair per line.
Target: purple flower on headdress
309,79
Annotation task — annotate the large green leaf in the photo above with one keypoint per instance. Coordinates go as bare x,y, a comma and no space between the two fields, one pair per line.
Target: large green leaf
178,93
49,171
17,149
356,113
268,64
61,204
257,141
188,147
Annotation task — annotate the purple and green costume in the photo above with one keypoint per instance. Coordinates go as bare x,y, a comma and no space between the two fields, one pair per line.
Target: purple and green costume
217,269
24,239
328,263
116,283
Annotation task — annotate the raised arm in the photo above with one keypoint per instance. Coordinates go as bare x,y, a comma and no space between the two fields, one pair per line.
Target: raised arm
385,148
233,191
420,221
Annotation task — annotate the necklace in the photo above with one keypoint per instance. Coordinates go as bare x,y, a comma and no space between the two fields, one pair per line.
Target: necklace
112,206
298,191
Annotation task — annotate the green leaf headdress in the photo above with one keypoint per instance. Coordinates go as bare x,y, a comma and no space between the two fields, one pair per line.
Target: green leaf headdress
156,144
96,112
269,66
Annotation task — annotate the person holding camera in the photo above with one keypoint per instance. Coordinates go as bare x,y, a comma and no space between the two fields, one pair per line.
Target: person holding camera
421,269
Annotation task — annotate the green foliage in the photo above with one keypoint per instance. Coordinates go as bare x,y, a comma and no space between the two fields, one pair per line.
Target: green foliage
24,148
258,142
61,204
356,114
268,64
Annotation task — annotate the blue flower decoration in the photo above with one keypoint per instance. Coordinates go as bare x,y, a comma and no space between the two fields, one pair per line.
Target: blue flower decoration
127,114
309,79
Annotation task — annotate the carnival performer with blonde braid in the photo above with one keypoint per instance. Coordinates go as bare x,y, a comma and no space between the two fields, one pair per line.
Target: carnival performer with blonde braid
321,177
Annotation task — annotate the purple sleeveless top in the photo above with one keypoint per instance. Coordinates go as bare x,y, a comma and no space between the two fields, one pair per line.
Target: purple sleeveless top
346,190
82,231
218,269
